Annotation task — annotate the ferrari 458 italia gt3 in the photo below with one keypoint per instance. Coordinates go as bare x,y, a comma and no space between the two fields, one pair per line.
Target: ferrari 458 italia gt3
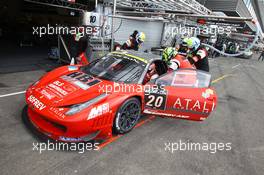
109,95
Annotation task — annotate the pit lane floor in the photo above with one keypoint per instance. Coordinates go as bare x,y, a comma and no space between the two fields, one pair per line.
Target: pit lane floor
238,119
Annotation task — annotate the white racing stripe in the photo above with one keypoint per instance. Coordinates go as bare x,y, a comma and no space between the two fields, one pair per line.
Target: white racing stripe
12,94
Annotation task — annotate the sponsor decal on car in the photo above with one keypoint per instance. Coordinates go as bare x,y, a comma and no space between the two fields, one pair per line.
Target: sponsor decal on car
99,110
57,87
69,88
68,139
156,98
47,94
192,105
81,80
36,103
146,111
58,111
81,85
207,93
125,55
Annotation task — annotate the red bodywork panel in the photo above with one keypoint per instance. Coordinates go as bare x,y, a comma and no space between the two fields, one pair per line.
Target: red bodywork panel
183,62
184,103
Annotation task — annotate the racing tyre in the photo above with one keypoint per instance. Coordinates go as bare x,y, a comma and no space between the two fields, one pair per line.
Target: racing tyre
127,116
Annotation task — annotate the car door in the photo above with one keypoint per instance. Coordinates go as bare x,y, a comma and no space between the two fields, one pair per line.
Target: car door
184,94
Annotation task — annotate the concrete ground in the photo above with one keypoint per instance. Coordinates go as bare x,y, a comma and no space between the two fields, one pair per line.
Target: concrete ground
238,120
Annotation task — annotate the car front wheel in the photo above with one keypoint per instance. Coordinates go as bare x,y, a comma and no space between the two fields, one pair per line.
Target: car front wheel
127,116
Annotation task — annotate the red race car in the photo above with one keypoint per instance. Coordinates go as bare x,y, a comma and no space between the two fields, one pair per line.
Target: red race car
89,102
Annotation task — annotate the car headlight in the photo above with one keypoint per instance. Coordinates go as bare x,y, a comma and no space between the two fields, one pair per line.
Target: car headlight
78,108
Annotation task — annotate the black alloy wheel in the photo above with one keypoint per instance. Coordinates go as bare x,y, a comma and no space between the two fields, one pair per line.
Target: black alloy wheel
127,116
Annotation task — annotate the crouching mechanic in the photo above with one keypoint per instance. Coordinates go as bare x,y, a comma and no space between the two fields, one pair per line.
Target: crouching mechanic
135,41
174,60
196,54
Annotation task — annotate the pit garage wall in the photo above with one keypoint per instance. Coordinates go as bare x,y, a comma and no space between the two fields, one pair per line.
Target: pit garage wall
153,31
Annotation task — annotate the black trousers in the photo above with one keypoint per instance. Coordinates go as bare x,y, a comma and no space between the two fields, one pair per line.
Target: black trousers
261,57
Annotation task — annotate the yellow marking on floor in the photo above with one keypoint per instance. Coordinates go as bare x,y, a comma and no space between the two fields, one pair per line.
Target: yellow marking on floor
221,78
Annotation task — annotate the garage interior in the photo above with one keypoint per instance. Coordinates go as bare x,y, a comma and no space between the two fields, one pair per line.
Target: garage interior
19,45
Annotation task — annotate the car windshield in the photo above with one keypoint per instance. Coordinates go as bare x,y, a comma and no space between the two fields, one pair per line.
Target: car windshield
117,68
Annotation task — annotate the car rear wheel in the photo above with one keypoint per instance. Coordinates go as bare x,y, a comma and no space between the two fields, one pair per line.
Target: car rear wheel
127,116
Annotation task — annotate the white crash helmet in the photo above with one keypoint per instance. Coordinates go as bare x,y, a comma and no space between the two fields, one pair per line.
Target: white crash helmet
193,43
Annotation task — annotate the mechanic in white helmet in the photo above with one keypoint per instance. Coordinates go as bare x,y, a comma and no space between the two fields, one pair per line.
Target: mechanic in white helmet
196,54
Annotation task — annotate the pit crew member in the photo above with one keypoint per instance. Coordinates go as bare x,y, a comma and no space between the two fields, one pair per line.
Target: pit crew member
135,41
175,60
196,54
